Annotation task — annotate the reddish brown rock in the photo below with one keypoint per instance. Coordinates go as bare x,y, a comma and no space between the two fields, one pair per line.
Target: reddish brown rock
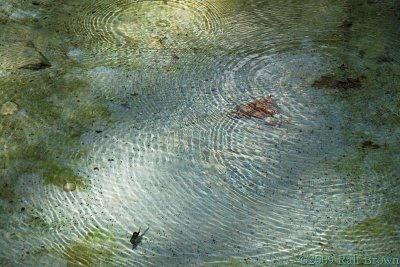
259,109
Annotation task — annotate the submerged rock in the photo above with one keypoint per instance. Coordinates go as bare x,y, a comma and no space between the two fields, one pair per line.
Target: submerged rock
35,60
68,187
8,108
22,55
259,109
39,64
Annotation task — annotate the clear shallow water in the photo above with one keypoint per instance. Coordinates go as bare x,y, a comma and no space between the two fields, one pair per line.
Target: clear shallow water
134,111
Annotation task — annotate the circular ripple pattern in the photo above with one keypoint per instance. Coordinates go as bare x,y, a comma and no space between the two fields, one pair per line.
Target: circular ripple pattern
120,31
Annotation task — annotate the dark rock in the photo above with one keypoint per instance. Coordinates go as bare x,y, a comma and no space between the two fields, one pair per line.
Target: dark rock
36,66
38,62
259,109
327,81
22,55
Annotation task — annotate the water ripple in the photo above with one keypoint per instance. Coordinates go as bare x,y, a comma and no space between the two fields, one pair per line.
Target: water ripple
126,31
209,186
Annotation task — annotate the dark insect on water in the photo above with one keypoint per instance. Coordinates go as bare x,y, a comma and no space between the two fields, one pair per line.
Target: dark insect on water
135,237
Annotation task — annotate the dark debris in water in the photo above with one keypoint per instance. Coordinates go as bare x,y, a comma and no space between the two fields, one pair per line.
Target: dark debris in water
346,25
327,81
369,144
385,58
135,236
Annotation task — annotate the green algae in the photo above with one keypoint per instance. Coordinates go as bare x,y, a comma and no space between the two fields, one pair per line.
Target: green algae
35,220
8,191
385,224
41,159
45,138
370,116
57,174
352,165
373,107
86,115
93,247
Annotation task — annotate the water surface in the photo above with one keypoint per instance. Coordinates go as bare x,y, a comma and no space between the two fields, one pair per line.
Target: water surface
129,100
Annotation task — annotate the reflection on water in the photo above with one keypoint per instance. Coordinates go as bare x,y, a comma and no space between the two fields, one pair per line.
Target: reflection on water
115,115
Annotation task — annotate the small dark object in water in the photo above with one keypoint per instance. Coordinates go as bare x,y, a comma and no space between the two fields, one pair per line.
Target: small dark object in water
385,58
259,109
370,144
135,237
174,56
346,25
327,81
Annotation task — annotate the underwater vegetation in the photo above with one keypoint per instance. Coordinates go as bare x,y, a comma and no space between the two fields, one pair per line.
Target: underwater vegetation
93,247
41,130
384,224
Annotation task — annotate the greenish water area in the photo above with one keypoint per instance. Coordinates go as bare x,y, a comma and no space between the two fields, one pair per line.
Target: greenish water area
232,133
